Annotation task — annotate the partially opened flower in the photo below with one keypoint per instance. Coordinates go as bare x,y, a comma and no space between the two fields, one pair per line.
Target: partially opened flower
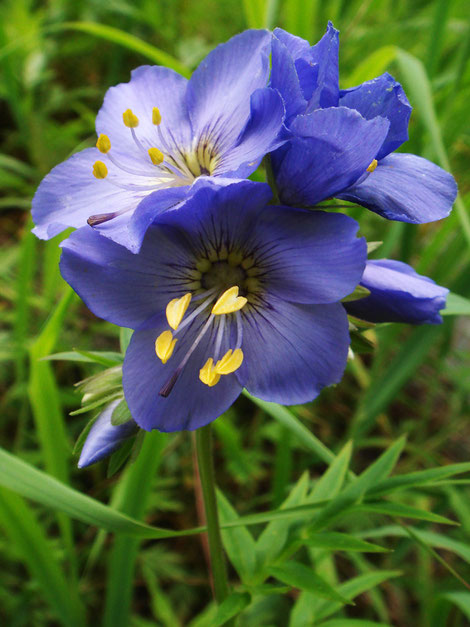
398,294
159,133
343,139
104,437
225,293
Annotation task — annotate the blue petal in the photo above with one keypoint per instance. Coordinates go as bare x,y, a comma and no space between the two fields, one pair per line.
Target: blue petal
220,89
292,351
191,404
316,67
261,135
121,287
406,188
150,86
398,294
104,438
284,78
70,194
385,97
312,256
333,150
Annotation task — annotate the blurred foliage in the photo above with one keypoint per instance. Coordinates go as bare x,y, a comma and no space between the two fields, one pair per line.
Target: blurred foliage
57,59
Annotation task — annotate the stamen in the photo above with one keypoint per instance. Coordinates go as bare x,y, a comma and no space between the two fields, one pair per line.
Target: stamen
99,218
231,361
238,317
156,116
372,166
165,345
129,119
169,385
103,144
198,310
229,302
208,374
127,169
156,156
220,334
100,171
176,309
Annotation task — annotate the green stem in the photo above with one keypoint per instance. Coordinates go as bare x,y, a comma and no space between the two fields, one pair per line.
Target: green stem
206,471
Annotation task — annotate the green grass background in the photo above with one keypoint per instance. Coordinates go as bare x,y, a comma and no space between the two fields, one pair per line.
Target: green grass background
57,59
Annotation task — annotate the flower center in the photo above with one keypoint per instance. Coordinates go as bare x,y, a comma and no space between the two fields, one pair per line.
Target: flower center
221,285
167,165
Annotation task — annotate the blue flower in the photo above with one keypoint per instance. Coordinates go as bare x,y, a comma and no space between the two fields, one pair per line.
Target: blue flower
398,294
158,134
104,438
343,139
225,293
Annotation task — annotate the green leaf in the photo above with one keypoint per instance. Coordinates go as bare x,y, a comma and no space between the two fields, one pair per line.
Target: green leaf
121,414
359,292
352,622
335,541
120,37
300,576
24,531
106,358
418,478
354,587
231,607
124,339
300,17
456,306
373,65
331,482
287,418
398,509
460,599
239,544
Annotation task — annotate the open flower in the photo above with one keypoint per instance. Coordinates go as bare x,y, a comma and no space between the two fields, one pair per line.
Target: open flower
225,293
398,294
159,133
343,139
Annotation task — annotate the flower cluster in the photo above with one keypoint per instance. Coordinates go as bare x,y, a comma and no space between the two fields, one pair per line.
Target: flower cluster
228,283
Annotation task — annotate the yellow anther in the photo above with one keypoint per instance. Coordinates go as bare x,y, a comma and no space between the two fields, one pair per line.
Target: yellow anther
176,309
129,119
103,144
100,171
231,361
372,166
156,156
156,116
165,345
208,374
229,302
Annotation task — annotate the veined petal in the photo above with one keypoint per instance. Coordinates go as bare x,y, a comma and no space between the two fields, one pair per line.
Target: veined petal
323,243
332,149
385,97
398,294
406,188
121,287
70,194
191,404
104,438
261,135
150,86
292,351
284,78
220,89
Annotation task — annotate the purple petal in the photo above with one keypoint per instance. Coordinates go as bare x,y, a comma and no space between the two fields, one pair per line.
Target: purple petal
406,188
333,148
104,438
385,97
150,86
191,404
220,89
284,78
292,351
313,256
398,294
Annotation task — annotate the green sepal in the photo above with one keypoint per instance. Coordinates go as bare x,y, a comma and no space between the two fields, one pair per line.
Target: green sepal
359,292
121,414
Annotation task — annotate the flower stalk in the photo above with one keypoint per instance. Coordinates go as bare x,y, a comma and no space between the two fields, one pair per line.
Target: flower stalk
206,472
